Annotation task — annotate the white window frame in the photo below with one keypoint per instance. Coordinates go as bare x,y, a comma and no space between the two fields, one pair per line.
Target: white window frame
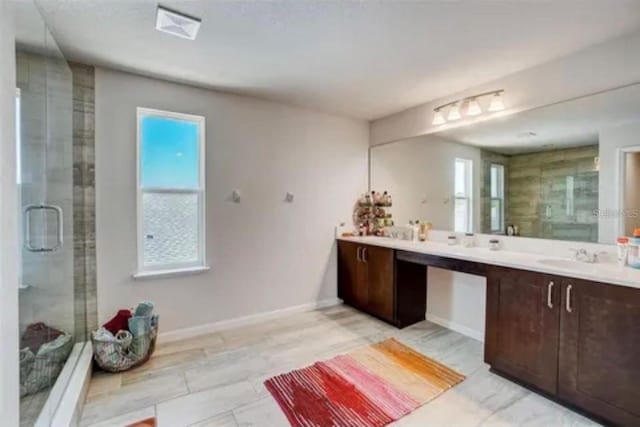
467,196
499,197
174,268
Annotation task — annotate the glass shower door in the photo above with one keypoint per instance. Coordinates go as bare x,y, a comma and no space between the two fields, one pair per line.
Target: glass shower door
49,322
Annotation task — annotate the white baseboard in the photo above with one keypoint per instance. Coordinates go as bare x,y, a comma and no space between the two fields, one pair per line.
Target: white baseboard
180,334
464,330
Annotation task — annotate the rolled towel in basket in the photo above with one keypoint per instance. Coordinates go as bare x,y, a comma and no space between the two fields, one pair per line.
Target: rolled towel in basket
124,338
118,322
139,325
145,308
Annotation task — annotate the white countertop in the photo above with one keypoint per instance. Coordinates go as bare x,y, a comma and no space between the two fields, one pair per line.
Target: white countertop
606,272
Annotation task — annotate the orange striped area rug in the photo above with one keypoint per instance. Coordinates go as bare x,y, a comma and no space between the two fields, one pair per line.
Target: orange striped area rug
149,422
369,387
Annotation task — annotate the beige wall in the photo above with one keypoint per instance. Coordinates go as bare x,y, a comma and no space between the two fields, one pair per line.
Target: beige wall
612,140
264,254
604,66
631,193
419,174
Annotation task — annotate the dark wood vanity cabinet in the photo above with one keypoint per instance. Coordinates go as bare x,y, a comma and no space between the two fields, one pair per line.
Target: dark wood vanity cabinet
599,351
352,275
366,278
523,314
575,340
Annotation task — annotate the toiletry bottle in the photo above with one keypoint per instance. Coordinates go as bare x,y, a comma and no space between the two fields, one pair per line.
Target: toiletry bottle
469,240
634,249
494,244
623,250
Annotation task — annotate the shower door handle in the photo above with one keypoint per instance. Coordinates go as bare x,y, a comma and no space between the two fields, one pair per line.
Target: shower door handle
27,227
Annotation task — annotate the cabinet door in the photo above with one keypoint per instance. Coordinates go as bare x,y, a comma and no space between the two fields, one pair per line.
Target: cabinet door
600,350
380,279
348,259
523,326
352,275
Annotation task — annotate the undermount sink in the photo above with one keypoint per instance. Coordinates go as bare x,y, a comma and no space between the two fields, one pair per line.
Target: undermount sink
563,263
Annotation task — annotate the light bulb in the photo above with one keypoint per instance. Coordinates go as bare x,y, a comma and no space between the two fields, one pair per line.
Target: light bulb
473,108
496,103
454,113
438,118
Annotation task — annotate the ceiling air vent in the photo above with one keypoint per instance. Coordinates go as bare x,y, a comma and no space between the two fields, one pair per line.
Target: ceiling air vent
177,24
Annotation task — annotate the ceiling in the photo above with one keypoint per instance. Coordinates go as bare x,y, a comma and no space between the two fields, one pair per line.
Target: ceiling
567,124
364,59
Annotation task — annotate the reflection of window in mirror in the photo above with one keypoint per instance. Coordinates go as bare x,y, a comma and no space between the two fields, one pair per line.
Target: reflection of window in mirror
570,199
497,198
463,196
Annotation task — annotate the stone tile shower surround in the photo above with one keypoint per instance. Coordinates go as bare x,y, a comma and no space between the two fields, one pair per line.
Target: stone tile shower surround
84,251
536,180
45,174
84,194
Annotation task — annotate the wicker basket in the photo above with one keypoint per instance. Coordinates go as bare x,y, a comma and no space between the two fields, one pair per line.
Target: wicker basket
114,355
39,371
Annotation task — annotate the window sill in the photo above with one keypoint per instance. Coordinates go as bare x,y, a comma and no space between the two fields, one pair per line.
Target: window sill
144,275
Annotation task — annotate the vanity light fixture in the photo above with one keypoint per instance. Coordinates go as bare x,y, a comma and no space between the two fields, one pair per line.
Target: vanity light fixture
454,112
473,108
496,103
438,118
469,106
177,24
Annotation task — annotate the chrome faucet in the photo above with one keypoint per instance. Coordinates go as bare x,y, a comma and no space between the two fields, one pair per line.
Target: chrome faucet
583,255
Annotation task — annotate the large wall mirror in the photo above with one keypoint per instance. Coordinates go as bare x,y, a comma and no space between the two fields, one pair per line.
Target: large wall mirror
567,171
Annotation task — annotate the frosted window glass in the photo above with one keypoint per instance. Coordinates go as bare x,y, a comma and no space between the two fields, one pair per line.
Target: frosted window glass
170,222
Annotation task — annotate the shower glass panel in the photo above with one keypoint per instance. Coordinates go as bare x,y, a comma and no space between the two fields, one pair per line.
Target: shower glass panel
52,316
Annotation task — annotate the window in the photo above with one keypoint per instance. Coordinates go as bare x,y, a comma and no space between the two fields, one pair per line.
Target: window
463,196
171,192
497,198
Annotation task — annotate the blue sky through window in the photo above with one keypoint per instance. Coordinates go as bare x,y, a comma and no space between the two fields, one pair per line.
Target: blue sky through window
169,153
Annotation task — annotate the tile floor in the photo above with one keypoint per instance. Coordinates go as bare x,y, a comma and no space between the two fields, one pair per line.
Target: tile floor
216,380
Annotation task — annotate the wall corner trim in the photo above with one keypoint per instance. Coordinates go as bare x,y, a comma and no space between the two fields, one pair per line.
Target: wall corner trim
181,334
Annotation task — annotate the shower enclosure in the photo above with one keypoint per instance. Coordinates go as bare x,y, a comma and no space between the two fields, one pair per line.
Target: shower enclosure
52,309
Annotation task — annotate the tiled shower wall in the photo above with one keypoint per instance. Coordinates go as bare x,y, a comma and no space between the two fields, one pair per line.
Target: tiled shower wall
538,194
46,177
42,301
84,196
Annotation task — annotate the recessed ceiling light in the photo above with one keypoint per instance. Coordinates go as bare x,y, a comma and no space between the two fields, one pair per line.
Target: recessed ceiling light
177,24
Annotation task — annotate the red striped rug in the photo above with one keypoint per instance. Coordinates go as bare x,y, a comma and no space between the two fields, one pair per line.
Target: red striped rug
370,387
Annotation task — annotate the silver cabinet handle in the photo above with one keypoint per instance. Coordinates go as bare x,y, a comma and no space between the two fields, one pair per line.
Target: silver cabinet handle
27,227
549,294
364,253
358,254
568,301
